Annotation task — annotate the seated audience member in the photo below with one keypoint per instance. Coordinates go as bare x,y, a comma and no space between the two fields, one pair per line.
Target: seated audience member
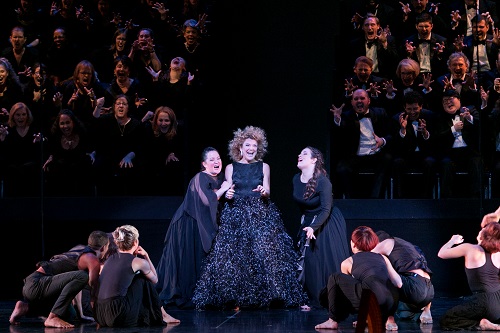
119,140
163,155
123,84
482,50
384,12
429,49
144,53
175,88
363,79
104,58
127,296
408,79
20,56
43,98
364,133
61,57
463,11
11,89
194,48
482,265
458,146
365,269
458,79
413,148
68,168
20,153
378,45
81,91
417,291
407,13
49,291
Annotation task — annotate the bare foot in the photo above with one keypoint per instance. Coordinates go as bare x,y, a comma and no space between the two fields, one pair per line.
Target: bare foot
426,317
487,325
330,324
170,320
390,324
21,309
57,322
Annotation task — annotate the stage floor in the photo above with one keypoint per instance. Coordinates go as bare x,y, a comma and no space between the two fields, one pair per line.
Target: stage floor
261,321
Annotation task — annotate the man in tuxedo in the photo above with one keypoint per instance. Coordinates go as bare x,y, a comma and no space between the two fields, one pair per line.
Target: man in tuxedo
414,140
410,11
429,49
362,138
463,11
458,146
378,45
481,50
364,79
460,79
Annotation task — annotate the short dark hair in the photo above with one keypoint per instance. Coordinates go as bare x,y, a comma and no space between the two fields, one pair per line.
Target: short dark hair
412,97
451,93
382,235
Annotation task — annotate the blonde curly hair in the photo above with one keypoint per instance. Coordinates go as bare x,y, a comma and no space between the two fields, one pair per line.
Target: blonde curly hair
249,132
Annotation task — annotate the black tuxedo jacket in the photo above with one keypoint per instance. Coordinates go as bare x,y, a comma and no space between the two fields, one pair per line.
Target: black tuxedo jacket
438,61
387,58
407,145
347,142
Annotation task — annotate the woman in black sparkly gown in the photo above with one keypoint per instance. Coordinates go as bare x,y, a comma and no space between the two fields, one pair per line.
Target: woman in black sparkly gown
252,262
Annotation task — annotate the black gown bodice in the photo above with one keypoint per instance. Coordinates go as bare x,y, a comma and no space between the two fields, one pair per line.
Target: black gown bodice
247,177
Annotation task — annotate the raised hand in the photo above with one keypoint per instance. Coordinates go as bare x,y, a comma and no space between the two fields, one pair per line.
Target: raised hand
337,111
448,84
389,87
373,90
455,18
356,19
434,8
465,114
439,48
426,81
409,48
349,87
458,43
470,80
154,74
403,121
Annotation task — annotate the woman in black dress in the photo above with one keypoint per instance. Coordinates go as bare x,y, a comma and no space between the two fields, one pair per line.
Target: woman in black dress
322,237
252,262
191,233
68,168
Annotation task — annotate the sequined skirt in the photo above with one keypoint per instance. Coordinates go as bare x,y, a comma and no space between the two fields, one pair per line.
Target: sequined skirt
252,262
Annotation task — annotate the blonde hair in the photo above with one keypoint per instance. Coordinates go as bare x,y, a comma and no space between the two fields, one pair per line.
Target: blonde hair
16,107
249,132
125,236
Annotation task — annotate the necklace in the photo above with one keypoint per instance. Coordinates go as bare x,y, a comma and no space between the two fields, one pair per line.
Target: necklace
122,127
66,141
187,47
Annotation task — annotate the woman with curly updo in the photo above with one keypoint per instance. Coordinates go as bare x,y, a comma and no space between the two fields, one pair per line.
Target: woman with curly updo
322,236
252,262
